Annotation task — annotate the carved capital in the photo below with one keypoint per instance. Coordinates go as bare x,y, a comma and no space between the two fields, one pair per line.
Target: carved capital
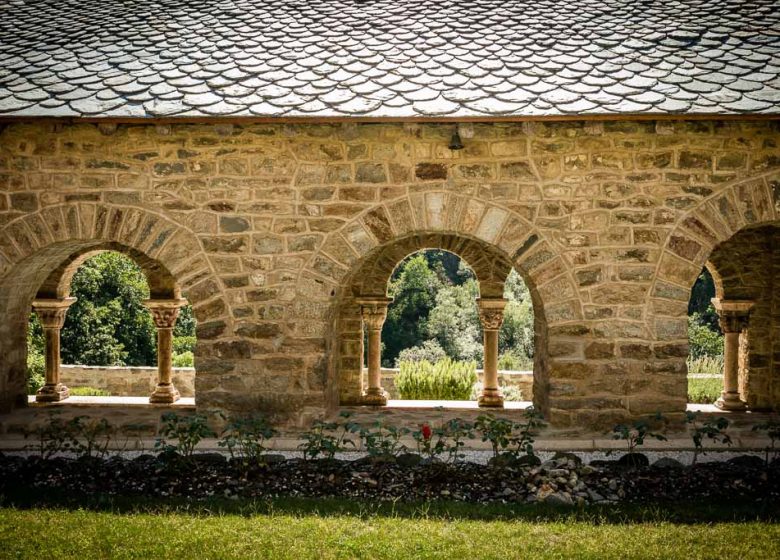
51,312
374,311
733,315
164,311
491,312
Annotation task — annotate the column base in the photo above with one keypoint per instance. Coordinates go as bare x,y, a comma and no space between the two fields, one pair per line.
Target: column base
52,393
375,397
165,394
491,398
730,401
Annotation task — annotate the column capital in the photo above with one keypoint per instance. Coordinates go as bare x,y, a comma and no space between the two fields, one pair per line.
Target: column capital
733,313
164,311
374,311
491,312
51,312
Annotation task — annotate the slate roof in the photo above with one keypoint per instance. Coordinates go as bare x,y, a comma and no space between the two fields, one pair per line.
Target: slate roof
388,58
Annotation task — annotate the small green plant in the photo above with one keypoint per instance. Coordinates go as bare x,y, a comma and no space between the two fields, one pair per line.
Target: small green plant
529,428
445,380
772,429
713,429
383,439
93,434
53,436
635,434
184,360
187,431
245,438
329,438
454,433
705,364
498,431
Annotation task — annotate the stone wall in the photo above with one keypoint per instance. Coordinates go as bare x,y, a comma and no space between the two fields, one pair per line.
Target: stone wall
269,230
125,381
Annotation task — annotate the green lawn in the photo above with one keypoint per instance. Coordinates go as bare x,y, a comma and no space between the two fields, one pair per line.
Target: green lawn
337,529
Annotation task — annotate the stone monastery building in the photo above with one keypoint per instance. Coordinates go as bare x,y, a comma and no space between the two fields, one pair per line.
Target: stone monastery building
272,162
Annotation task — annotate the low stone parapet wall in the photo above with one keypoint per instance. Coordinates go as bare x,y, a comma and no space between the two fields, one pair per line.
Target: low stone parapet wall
520,380
125,381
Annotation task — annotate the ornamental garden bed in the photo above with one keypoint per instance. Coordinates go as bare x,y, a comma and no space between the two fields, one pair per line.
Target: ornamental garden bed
76,457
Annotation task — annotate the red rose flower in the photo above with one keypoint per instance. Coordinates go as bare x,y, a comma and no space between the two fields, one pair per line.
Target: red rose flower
426,432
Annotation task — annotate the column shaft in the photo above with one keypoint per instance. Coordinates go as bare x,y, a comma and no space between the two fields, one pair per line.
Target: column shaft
164,312
52,316
734,317
374,313
491,314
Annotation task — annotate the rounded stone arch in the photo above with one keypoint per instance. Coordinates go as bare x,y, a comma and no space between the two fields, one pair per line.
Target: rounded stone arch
359,257
716,233
689,247
39,253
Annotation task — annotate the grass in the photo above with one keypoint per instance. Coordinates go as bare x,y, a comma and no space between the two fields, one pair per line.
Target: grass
704,390
88,392
706,364
300,528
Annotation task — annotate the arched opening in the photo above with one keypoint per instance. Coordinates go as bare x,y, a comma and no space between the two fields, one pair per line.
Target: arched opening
746,279
705,343
108,341
362,310
432,339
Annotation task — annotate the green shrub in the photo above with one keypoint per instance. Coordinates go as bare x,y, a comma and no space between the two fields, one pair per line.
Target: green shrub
429,350
182,344
704,390
702,339
446,380
88,392
185,359
245,438
510,393
514,361
36,371
186,430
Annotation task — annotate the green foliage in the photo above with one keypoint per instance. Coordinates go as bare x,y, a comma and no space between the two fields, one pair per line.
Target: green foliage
446,380
516,337
446,440
703,390
36,372
713,429
454,322
772,429
245,438
328,438
94,435
701,301
414,295
702,339
182,344
430,351
88,392
187,431
187,359
53,436
635,434
509,437
108,325
383,439
512,361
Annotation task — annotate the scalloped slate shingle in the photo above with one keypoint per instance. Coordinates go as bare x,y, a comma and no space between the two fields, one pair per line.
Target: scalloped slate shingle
422,58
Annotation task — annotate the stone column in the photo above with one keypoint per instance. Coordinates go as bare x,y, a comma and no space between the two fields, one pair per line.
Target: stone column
374,313
491,314
51,313
164,313
733,316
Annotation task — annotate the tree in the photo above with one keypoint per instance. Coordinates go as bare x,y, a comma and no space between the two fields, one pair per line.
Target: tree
108,324
413,289
454,322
